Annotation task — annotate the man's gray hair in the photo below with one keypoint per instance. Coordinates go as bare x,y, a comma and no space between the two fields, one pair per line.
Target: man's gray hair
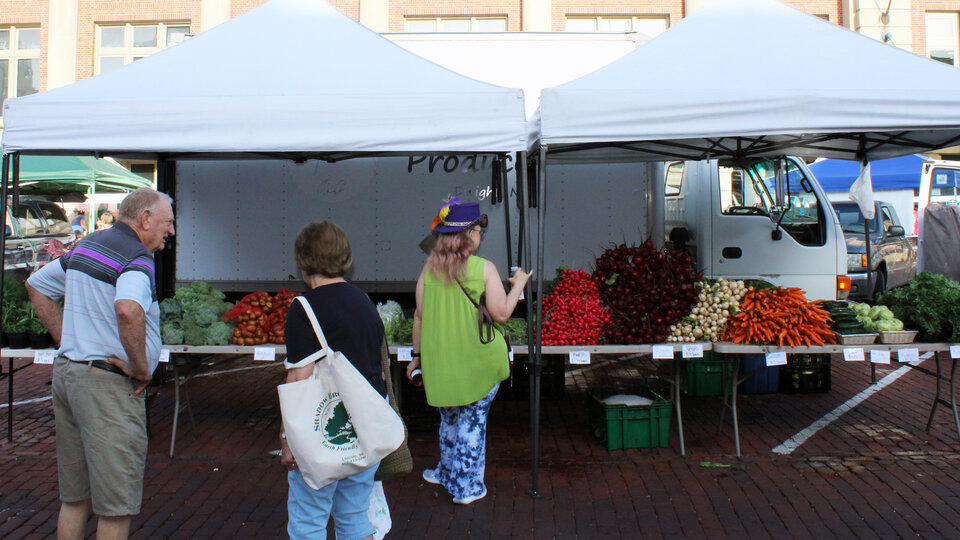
139,201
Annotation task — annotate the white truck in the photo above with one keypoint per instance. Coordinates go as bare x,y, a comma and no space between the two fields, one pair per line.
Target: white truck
758,219
240,238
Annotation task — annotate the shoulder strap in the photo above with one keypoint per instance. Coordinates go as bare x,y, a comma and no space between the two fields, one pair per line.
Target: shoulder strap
464,289
324,348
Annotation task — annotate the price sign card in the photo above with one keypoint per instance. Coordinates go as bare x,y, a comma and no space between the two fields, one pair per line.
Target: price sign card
778,358
955,351
404,354
44,357
692,350
579,357
663,352
880,357
908,355
264,354
164,355
853,355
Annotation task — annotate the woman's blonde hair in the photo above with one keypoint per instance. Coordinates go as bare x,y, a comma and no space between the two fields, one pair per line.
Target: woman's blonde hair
322,248
449,256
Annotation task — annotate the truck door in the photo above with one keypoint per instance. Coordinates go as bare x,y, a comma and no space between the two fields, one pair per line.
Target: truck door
770,221
896,251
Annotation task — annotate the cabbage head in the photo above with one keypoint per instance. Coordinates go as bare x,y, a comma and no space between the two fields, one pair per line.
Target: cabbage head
219,333
171,333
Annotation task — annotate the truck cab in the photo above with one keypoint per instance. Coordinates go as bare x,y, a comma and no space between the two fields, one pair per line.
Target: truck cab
893,254
765,219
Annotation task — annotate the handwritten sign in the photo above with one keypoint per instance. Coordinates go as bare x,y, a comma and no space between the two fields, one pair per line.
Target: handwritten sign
777,358
164,355
908,355
44,357
579,358
880,357
853,355
264,354
692,350
955,351
663,352
404,354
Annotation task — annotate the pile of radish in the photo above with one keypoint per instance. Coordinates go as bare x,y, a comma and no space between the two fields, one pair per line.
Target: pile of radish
573,313
717,300
645,290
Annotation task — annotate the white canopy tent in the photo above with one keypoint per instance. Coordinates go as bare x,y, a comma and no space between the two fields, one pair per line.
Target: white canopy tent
745,79
290,76
750,78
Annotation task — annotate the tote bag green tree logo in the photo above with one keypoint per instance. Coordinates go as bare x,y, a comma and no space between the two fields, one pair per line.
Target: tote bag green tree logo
334,421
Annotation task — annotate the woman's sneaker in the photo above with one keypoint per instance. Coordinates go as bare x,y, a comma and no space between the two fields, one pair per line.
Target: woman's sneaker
468,500
430,475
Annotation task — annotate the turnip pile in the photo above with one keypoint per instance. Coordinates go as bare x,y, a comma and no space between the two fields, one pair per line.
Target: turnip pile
707,320
645,290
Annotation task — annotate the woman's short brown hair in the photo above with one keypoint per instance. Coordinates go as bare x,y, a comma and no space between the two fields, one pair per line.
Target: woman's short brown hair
322,248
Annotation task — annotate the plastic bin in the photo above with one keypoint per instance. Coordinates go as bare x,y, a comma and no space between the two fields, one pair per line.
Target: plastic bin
629,426
805,374
705,376
766,381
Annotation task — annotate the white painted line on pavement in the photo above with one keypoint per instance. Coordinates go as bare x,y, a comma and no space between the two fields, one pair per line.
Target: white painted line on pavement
24,402
791,444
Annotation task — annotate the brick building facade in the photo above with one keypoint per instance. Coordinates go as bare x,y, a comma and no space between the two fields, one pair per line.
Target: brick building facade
49,43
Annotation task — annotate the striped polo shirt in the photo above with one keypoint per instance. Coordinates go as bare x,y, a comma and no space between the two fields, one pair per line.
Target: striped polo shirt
103,267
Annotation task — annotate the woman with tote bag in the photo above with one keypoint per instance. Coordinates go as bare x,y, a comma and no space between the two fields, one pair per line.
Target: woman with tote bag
352,327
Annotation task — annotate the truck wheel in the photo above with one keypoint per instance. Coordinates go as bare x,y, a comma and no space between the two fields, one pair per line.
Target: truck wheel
879,284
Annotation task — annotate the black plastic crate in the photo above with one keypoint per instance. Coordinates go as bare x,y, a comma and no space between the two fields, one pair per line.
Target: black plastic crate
552,377
805,374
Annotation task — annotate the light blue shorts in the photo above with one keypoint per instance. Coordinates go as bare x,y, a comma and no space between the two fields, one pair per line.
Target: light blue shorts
348,499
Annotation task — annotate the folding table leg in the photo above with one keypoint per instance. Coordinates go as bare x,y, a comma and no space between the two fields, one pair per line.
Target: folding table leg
176,407
936,397
676,401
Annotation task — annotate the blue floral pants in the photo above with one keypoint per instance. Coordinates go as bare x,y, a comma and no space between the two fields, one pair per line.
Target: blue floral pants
463,447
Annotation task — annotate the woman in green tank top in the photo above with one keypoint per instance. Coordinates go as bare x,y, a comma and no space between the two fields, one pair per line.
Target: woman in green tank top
461,375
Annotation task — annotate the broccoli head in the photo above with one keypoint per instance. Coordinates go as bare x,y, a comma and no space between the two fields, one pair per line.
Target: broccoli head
219,333
195,335
200,314
169,309
171,333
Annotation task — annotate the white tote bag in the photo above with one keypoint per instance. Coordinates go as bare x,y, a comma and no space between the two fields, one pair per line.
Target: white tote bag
336,424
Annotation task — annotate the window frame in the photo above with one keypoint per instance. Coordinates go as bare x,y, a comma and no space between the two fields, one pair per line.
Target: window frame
439,19
599,19
951,42
13,55
128,52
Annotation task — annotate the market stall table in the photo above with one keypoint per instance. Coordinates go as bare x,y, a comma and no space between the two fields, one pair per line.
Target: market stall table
734,349
269,352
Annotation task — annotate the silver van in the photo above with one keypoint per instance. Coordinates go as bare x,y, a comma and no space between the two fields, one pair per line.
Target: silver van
36,234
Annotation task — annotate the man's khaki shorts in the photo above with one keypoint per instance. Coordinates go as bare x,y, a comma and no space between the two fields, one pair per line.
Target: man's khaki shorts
101,438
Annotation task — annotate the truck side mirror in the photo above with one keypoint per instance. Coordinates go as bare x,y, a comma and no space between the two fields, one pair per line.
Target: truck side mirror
895,230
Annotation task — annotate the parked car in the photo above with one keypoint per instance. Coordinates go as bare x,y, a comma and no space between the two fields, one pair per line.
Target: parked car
893,254
36,234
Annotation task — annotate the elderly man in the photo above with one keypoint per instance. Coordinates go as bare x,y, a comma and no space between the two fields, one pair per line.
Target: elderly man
109,344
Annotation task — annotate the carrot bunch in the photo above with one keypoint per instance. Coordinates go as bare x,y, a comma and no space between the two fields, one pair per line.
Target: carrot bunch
779,316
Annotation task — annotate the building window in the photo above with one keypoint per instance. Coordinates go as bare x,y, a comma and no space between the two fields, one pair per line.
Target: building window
649,25
942,37
121,44
455,24
19,62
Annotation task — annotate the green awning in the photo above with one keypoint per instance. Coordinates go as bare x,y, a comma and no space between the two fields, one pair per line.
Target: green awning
61,174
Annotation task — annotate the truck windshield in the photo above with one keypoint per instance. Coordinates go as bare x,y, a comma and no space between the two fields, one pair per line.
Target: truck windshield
851,219
750,188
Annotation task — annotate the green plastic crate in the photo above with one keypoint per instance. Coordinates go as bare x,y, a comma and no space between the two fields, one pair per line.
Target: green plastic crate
626,426
705,376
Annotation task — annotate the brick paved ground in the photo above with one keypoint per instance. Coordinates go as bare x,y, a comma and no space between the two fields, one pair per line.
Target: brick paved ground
873,473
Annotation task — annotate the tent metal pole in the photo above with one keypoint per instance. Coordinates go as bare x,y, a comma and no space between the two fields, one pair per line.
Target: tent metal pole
504,193
537,364
3,264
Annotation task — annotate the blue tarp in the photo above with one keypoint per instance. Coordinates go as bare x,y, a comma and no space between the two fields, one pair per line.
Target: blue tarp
895,173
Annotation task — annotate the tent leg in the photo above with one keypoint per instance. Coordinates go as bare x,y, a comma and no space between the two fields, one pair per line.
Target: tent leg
3,264
537,359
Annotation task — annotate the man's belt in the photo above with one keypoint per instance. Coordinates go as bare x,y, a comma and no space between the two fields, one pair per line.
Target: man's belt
100,364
